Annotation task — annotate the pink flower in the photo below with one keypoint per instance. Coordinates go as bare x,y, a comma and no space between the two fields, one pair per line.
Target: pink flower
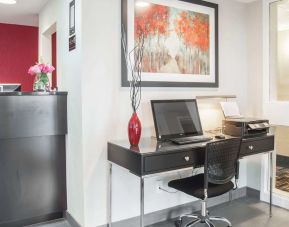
40,68
51,69
47,69
34,70
30,71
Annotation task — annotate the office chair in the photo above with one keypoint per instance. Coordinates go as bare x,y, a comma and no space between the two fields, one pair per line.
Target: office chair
220,168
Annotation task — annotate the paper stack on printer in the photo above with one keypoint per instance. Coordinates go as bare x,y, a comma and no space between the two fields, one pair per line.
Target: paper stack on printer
231,110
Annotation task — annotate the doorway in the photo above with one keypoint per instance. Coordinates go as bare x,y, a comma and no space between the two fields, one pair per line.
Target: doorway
54,61
276,93
282,160
48,51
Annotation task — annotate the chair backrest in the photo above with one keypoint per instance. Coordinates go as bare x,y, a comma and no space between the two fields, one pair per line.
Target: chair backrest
221,160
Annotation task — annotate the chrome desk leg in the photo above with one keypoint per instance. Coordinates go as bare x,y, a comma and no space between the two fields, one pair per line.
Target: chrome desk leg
230,196
141,202
271,182
110,196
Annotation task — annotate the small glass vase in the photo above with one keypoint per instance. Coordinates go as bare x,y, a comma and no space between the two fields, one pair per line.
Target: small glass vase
41,83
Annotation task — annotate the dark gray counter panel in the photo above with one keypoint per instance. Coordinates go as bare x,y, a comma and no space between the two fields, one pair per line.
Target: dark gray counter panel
28,116
32,176
33,128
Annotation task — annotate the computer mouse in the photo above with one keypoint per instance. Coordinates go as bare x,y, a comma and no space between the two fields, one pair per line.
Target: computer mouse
220,136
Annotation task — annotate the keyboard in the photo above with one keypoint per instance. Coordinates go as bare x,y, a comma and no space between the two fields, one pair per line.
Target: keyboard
193,139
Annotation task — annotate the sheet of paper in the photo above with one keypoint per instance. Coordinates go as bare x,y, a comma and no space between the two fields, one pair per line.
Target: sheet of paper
230,109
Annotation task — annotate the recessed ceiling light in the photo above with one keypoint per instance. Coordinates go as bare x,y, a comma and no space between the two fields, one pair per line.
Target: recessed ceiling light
142,4
9,2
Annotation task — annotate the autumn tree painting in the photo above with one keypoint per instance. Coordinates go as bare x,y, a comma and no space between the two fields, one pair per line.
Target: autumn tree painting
153,24
176,41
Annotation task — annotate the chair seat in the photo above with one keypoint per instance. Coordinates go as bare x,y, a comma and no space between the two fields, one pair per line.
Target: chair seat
194,186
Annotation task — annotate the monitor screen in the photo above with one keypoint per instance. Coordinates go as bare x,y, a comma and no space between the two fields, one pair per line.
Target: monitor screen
10,87
176,118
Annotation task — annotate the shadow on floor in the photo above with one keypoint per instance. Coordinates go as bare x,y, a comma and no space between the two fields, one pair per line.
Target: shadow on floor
245,212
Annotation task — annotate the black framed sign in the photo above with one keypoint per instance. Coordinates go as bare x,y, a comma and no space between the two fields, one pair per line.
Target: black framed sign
72,43
71,17
180,42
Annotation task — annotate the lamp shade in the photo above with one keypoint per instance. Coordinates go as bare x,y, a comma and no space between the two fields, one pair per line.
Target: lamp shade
217,97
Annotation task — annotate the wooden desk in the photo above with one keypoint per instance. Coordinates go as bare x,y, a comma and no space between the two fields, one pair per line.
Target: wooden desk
152,157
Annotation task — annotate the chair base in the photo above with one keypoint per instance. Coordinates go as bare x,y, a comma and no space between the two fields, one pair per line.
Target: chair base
203,218
198,219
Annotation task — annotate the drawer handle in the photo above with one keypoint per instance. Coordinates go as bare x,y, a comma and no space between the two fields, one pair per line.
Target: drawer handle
187,158
251,147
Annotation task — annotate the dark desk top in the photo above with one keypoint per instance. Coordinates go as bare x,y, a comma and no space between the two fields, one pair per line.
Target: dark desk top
151,146
154,157
16,93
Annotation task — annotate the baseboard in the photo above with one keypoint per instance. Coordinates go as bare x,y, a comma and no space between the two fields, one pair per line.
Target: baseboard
176,211
251,192
282,161
32,221
72,222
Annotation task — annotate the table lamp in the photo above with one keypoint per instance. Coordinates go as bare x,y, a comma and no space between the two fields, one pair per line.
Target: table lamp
211,113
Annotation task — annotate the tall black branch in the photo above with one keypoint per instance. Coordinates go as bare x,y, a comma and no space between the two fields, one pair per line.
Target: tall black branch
134,60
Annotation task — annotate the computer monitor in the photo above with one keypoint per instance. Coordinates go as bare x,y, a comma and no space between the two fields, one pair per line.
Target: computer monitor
176,118
10,87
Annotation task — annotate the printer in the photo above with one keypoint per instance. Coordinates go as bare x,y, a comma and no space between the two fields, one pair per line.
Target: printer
238,126
245,127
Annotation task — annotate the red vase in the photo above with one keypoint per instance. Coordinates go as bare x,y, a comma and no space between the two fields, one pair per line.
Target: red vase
134,129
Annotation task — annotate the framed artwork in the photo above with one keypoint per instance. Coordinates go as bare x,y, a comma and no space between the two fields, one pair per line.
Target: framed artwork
71,18
72,43
180,42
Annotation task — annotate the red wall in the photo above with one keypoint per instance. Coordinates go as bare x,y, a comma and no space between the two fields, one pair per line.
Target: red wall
54,60
18,51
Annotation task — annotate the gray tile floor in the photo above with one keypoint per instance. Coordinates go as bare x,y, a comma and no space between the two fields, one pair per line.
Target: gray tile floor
58,223
246,212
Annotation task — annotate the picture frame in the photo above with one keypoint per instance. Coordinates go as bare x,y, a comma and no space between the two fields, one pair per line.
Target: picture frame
172,58
72,18
72,43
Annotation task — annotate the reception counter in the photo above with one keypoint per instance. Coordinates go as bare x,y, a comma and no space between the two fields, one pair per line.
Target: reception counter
33,127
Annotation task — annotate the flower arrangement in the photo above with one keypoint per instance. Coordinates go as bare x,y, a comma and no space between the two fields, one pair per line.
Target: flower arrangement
41,71
40,68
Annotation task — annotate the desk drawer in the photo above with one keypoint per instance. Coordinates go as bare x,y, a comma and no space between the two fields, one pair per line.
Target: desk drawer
165,162
255,146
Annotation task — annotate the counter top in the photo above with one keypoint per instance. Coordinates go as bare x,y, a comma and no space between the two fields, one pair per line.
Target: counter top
17,93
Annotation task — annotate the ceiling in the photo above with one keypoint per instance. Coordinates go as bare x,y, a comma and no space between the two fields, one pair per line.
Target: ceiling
25,12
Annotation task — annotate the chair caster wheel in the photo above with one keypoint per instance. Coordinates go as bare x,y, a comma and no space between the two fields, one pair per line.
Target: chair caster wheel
178,223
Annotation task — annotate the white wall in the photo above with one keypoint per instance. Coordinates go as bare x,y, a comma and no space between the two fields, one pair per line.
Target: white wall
106,108
255,81
282,67
26,20
98,107
47,21
69,79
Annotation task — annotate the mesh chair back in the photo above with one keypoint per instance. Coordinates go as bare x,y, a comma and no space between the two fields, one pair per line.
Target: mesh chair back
221,160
